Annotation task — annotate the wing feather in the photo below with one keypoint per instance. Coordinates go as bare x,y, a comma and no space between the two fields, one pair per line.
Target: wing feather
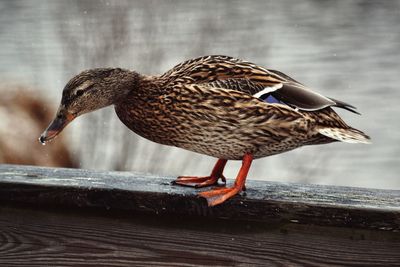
301,97
231,73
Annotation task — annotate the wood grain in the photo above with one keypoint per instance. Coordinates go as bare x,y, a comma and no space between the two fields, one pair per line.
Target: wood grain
267,202
69,238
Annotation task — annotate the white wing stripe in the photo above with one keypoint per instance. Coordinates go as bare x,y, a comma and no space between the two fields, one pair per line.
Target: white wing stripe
268,89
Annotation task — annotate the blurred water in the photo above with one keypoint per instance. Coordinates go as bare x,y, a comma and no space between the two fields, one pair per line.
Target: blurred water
348,50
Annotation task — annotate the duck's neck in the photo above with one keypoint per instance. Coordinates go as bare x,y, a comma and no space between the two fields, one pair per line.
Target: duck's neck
121,83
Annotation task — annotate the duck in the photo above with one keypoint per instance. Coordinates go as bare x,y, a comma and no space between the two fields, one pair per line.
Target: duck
219,106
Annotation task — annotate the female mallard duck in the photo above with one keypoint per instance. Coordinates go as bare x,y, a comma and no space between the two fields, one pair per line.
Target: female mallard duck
215,105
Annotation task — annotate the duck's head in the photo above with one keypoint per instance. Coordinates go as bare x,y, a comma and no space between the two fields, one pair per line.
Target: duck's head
88,91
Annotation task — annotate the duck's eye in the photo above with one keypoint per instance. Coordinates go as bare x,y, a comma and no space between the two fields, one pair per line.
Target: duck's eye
79,93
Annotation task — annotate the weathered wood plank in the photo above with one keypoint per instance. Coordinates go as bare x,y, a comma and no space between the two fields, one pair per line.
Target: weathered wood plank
87,238
263,201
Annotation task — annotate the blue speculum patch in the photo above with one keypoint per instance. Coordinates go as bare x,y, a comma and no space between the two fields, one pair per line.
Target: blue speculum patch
270,99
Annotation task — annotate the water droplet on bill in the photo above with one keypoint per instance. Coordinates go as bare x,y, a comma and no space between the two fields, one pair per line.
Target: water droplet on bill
42,141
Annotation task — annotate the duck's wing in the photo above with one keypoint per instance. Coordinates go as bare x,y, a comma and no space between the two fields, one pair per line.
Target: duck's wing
304,98
268,85
204,100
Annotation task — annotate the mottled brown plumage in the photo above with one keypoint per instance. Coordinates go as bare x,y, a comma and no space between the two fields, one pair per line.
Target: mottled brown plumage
215,105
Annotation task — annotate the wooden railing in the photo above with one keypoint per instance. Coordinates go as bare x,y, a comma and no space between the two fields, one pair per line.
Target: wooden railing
74,217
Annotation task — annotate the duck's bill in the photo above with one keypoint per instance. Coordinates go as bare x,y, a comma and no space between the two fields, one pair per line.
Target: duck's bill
55,127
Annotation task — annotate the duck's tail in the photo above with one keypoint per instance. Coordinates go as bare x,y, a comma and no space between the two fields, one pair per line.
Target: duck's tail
349,135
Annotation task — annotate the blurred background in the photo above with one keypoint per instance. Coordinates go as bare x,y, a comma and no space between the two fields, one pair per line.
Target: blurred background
347,50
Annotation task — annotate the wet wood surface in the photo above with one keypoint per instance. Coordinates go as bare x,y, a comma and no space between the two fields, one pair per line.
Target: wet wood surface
72,217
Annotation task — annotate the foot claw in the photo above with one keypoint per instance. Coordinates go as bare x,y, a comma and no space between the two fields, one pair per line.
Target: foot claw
223,178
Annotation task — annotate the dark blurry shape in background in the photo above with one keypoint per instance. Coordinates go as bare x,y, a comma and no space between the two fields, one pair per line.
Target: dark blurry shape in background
22,115
347,50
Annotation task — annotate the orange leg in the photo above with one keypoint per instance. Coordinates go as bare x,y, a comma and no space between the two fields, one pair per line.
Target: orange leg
219,195
195,181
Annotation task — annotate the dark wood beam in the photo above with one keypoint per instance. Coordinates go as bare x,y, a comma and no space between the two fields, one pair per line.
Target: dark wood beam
265,202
